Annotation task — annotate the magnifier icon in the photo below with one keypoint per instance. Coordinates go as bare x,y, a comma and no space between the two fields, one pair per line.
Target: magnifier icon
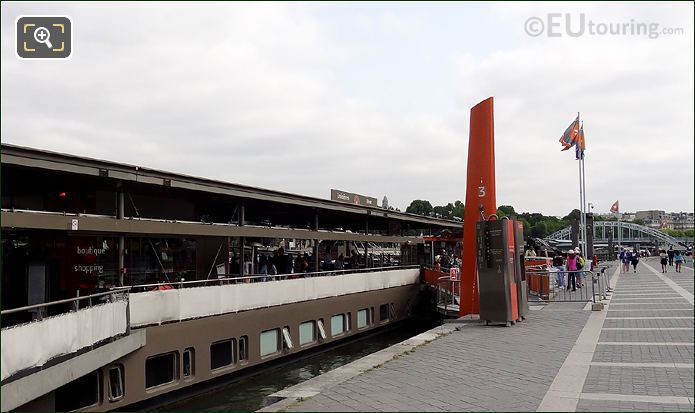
42,35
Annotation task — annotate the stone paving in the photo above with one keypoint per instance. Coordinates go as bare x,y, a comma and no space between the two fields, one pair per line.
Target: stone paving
636,355
652,364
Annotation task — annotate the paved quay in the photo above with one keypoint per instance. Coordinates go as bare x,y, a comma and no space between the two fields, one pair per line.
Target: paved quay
635,355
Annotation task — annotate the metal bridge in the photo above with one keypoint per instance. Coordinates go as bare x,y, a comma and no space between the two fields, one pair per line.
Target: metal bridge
621,233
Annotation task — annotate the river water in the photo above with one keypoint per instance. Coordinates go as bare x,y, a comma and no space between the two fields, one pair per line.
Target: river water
249,393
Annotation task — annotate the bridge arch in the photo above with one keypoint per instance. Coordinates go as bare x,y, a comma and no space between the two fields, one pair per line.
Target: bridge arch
621,232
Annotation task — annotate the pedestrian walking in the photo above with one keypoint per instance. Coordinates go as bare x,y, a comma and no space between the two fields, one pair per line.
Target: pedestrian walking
635,261
559,265
581,262
669,253
627,261
664,260
678,258
571,264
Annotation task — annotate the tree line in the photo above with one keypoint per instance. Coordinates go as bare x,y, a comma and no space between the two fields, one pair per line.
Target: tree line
535,224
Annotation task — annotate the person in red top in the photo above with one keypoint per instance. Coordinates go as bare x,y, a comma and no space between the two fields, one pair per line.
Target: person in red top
571,264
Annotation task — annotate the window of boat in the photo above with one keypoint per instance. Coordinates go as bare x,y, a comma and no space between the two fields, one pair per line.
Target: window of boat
222,353
307,332
322,329
188,363
161,369
363,318
243,348
348,321
286,338
269,341
337,325
392,311
383,312
78,394
371,314
116,382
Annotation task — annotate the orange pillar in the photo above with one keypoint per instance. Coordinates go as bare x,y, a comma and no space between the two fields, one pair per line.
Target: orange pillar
480,193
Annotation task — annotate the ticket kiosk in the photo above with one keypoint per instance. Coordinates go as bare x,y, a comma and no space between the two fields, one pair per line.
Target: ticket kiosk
497,251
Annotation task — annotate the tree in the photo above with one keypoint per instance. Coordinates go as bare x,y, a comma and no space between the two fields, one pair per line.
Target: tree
638,221
419,207
575,214
458,209
505,211
540,230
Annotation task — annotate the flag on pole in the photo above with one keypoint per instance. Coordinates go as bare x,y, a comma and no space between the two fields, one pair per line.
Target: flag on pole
569,138
581,143
615,207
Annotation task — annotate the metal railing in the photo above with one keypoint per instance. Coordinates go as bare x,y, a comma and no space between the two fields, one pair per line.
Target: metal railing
39,311
551,284
256,278
447,294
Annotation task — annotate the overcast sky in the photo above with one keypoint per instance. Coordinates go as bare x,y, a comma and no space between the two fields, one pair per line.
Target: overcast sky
368,98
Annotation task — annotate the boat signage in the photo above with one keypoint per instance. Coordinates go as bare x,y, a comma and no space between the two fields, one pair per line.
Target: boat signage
350,198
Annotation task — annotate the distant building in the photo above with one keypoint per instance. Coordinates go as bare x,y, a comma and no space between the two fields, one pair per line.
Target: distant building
652,218
385,203
680,220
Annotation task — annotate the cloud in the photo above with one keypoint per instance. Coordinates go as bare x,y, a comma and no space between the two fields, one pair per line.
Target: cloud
266,95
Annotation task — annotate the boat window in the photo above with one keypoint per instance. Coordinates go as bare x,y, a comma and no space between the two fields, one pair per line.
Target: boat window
363,318
161,369
371,314
286,338
392,312
383,312
337,325
116,382
307,332
221,354
348,321
269,341
243,348
188,363
78,394
322,329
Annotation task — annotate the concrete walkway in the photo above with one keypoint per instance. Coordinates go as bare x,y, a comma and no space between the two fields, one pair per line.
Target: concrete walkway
635,355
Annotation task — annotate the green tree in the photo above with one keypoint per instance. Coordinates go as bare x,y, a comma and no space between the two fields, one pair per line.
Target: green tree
540,230
420,207
575,214
638,221
505,211
458,209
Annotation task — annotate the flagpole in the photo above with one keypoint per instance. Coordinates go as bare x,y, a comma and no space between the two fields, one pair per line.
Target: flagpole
581,237
585,250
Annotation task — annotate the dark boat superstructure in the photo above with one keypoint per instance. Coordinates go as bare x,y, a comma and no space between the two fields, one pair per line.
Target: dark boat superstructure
63,216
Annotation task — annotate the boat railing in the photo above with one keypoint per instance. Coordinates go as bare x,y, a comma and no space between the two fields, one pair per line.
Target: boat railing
225,279
39,311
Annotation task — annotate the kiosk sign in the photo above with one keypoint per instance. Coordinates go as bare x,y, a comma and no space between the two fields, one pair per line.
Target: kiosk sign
454,274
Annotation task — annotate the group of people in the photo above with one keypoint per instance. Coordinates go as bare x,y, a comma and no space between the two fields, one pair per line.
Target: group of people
444,262
281,263
669,257
628,258
571,269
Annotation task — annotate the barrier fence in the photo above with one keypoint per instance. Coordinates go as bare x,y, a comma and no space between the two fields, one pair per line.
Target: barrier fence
553,284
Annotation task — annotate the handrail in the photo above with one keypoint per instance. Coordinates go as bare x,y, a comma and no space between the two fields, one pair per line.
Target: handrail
264,277
67,300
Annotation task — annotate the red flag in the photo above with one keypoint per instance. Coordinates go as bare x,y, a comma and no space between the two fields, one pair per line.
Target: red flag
615,207
569,138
